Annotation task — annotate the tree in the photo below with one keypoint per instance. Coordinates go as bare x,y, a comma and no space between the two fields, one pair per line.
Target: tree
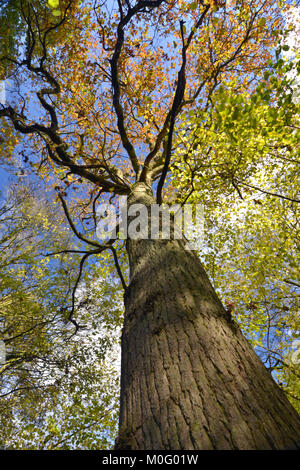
105,118
242,170
50,377
10,27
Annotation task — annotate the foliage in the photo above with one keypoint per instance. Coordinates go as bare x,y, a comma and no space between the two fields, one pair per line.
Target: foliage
107,95
10,30
241,161
51,380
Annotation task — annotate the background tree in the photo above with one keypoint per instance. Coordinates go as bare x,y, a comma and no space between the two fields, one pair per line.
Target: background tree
103,120
51,380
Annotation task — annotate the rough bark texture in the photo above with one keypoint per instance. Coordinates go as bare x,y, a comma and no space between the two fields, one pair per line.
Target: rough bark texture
189,379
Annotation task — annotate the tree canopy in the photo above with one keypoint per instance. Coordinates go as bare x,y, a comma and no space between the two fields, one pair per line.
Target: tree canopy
198,100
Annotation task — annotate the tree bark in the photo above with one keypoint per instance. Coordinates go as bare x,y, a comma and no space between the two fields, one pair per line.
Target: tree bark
189,378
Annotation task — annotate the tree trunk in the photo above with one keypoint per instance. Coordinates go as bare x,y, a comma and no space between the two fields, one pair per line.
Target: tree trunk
189,379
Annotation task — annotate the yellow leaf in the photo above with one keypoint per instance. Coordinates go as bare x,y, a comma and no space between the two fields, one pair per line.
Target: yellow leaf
53,3
56,12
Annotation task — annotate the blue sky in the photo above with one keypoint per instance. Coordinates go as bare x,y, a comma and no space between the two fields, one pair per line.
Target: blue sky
5,178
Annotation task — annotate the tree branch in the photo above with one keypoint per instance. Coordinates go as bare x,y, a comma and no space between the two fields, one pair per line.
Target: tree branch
163,132
140,6
268,192
178,97
78,234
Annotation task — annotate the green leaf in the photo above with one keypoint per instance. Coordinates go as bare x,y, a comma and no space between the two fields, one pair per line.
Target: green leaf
193,6
53,4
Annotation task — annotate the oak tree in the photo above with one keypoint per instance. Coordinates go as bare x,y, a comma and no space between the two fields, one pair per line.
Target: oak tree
99,114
